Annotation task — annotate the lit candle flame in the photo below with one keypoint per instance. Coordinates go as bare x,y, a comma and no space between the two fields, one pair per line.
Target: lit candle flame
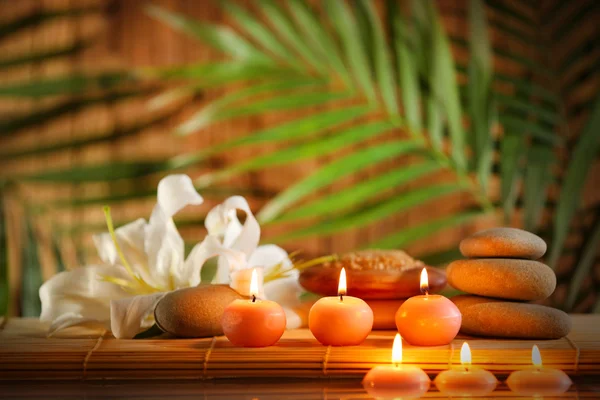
397,350
536,357
424,282
342,284
254,285
465,355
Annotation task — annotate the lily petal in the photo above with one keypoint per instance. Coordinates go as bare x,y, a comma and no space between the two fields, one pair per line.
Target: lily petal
269,256
131,241
81,293
209,247
164,248
71,319
175,192
129,316
245,239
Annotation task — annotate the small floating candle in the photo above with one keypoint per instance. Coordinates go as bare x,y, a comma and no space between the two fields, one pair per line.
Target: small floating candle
254,322
396,380
340,321
467,380
538,381
428,320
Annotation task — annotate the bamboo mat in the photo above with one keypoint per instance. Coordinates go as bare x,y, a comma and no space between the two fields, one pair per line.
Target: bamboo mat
87,354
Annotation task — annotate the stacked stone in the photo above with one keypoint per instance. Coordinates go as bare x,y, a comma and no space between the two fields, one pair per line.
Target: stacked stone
502,278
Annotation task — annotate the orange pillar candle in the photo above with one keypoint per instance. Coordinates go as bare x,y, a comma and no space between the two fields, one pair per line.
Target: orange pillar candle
467,380
428,320
396,380
340,321
538,381
254,322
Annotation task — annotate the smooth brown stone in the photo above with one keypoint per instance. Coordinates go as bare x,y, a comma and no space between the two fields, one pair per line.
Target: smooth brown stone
194,312
503,243
502,278
384,313
496,318
372,274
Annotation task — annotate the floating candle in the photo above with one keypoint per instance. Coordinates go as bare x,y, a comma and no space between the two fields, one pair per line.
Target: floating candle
396,380
467,380
254,322
428,320
340,321
538,381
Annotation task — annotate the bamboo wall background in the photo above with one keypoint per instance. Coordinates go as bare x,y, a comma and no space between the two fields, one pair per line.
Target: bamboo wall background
122,35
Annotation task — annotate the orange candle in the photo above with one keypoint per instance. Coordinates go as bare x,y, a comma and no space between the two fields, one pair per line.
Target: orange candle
340,321
466,381
428,320
538,381
253,323
396,380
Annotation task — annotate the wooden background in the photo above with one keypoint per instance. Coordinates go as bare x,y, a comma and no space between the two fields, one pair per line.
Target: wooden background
123,35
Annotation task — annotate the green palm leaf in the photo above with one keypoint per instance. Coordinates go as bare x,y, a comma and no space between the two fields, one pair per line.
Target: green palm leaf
333,171
378,211
584,264
569,200
4,278
350,197
411,234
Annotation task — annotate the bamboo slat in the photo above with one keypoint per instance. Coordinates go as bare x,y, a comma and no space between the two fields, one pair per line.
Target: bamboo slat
88,354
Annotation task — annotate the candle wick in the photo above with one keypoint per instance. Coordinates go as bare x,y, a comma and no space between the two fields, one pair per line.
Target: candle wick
341,297
253,298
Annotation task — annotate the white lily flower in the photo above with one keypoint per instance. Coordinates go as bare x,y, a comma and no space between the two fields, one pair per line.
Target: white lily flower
142,261
151,263
241,253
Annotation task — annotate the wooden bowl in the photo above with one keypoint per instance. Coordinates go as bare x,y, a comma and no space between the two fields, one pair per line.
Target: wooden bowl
372,274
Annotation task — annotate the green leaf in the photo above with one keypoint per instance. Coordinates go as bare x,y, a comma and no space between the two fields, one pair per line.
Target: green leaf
287,101
109,171
407,73
538,176
257,31
356,194
512,150
333,171
215,74
44,55
345,26
584,265
71,84
480,95
286,29
569,200
383,68
318,37
221,37
209,270
541,112
42,15
4,274
300,128
411,234
444,87
547,135
10,126
380,210
303,151
32,274
60,264
107,136
151,332
213,111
